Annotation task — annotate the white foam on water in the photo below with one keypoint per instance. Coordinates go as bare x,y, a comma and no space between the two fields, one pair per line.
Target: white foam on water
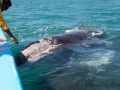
97,33
72,30
89,32
101,58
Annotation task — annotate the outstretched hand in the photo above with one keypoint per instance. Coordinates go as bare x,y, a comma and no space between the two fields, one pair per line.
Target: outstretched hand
11,36
14,40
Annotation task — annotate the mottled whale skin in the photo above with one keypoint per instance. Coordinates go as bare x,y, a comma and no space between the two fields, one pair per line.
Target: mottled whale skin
46,46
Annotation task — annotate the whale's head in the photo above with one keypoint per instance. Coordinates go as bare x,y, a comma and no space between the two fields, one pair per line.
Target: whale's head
20,59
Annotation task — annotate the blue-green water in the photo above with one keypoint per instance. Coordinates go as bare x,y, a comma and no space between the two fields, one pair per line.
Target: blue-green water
86,68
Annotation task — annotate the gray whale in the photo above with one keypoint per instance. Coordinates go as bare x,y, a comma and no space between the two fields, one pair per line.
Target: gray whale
36,50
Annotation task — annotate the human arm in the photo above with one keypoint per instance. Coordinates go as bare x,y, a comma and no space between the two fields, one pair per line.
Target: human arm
11,36
5,28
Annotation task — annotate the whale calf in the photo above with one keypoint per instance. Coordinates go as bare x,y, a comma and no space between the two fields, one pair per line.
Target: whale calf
34,51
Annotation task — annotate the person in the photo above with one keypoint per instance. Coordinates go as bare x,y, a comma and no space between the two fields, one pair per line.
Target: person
4,5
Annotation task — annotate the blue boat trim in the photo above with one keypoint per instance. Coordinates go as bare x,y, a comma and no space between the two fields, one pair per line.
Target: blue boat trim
9,78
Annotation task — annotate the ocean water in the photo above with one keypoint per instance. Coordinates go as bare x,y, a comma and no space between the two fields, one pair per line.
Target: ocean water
93,65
